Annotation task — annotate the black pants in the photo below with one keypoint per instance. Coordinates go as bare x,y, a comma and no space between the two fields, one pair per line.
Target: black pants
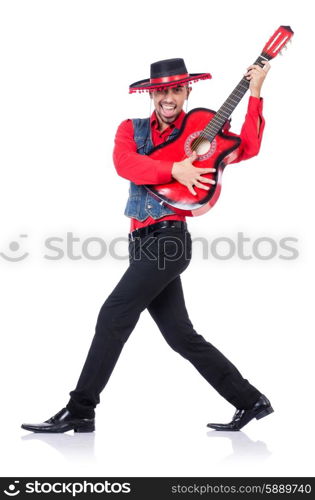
152,281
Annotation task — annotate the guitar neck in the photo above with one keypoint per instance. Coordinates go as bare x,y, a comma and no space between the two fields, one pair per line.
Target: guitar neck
227,108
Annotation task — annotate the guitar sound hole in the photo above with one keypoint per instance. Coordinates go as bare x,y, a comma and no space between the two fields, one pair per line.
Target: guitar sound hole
201,146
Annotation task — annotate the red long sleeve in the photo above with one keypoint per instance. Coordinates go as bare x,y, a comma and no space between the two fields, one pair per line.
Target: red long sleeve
251,138
140,169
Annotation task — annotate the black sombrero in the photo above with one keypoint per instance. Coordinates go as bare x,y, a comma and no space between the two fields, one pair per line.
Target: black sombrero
167,73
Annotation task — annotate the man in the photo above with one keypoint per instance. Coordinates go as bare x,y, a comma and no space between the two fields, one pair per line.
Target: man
158,235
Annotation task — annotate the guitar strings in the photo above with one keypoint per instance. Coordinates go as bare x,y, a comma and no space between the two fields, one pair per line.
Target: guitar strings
217,116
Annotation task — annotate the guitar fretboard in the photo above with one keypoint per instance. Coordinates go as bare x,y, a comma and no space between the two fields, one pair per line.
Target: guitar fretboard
227,108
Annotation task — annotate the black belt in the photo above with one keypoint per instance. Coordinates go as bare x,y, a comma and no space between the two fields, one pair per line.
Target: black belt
143,231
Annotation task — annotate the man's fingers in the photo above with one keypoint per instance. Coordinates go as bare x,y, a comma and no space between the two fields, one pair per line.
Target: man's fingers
202,186
256,68
205,179
193,156
254,72
206,170
191,189
266,67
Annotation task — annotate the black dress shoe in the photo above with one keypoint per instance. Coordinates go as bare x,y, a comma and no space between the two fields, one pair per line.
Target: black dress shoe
63,421
261,409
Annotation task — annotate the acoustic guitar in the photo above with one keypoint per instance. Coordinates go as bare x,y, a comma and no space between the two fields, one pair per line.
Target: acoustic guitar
201,131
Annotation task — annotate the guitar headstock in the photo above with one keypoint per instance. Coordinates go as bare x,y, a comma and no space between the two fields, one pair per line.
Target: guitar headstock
277,42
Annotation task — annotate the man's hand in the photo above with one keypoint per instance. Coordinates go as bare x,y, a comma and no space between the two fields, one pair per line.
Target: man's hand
256,75
188,175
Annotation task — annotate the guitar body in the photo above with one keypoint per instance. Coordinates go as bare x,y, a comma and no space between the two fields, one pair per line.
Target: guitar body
216,154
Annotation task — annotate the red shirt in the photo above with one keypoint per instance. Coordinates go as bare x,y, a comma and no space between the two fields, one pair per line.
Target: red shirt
141,169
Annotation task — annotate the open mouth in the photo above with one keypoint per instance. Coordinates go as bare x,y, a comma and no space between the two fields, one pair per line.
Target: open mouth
168,110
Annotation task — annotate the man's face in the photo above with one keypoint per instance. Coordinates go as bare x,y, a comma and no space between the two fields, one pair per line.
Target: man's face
169,102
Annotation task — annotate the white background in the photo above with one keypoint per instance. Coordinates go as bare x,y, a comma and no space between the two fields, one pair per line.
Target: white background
65,70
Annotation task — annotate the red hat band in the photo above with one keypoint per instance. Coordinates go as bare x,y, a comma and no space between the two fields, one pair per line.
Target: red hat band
167,79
